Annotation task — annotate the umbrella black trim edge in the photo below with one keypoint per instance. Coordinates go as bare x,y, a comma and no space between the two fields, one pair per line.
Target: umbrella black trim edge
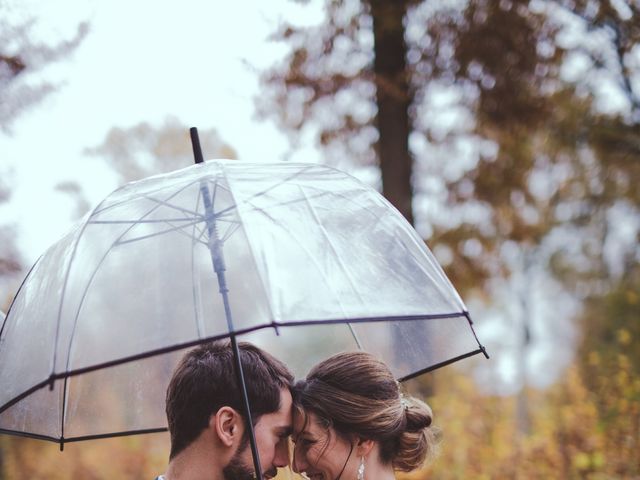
473,330
63,440
193,343
442,364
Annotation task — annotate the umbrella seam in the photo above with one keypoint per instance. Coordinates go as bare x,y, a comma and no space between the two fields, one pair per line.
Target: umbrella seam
340,263
155,207
4,322
265,291
73,330
422,246
60,306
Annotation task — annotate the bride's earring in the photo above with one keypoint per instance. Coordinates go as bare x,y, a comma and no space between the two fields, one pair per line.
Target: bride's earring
361,469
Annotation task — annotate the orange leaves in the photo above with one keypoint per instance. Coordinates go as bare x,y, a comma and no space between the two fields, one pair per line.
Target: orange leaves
123,458
576,431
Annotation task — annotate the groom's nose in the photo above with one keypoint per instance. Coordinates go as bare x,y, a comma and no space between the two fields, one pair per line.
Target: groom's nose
298,464
281,458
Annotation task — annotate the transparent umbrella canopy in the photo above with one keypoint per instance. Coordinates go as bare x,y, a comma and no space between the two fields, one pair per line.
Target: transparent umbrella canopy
300,259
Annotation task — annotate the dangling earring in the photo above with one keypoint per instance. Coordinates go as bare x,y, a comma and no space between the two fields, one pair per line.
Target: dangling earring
361,469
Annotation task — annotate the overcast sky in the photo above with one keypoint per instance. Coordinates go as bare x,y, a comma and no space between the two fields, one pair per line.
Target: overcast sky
196,60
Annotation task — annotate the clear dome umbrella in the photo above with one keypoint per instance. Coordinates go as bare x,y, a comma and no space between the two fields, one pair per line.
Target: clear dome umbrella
301,259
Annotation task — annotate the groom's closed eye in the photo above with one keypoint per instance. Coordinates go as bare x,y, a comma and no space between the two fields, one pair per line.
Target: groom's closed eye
284,432
304,441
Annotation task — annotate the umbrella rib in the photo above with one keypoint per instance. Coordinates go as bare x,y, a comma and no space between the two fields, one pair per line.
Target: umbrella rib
174,228
219,216
26,393
137,222
196,298
214,192
198,239
165,203
233,229
98,211
190,215
64,410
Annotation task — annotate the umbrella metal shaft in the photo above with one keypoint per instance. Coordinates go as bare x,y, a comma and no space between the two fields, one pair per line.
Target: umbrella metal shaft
217,259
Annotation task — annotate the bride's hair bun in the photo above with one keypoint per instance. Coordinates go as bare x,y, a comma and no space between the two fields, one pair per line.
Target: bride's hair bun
416,442
357,395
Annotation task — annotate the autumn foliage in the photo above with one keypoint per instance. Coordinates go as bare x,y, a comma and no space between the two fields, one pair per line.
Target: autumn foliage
586,426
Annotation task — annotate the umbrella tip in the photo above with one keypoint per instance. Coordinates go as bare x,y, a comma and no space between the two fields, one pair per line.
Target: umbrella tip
484,351
195,142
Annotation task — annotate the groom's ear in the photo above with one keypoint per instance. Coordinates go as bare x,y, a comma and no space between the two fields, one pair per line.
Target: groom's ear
363,447
227,423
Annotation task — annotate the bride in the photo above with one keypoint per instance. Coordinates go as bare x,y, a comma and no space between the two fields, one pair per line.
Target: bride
352,422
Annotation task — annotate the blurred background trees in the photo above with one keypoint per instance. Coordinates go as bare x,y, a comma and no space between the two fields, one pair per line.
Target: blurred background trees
144,150
21,55
510,135
514,127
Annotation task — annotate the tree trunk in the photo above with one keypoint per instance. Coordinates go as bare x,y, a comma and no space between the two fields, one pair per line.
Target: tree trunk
393,98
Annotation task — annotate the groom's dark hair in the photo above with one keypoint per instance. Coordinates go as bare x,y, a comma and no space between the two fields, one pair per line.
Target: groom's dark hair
205,381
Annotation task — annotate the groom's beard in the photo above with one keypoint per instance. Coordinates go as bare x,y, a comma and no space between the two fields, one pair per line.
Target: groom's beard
237,469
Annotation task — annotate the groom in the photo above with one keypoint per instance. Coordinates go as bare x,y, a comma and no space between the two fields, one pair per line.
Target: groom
209,440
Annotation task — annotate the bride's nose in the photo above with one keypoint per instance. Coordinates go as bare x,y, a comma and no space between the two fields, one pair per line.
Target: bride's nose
298,463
